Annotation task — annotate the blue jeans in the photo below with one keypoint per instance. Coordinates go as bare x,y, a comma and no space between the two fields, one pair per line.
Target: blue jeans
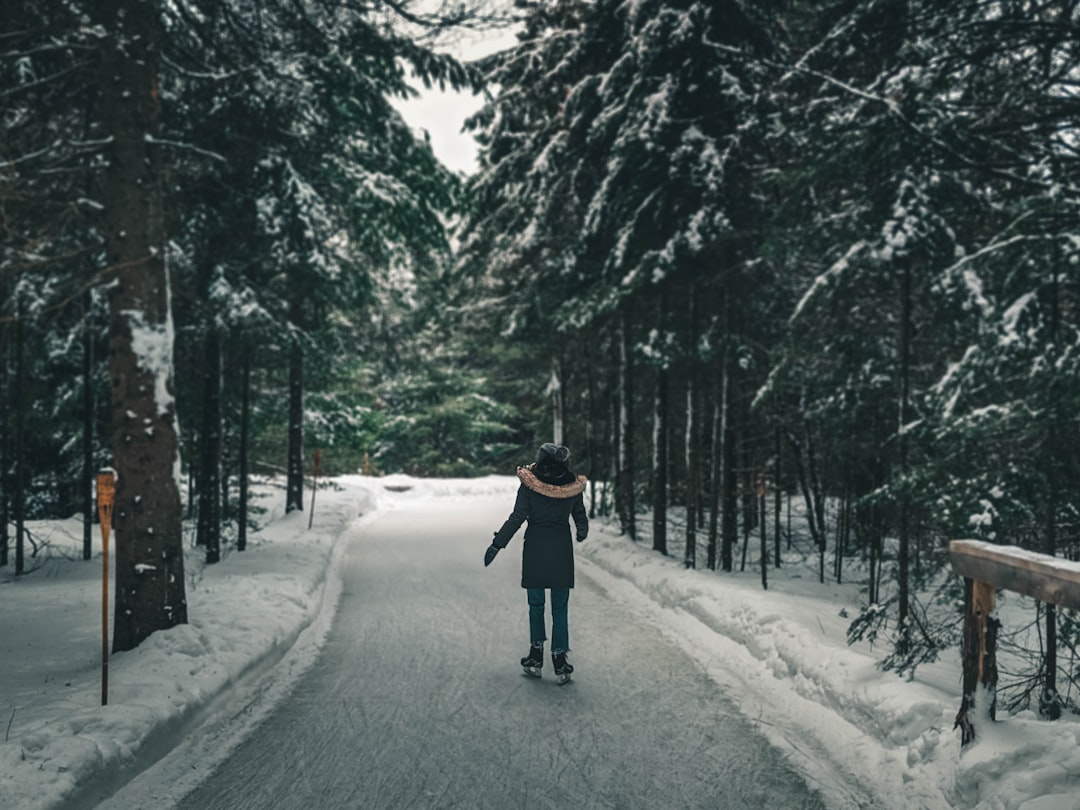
560,629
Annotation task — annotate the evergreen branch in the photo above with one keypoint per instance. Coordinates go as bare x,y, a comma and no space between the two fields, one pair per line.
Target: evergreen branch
148,138
42,81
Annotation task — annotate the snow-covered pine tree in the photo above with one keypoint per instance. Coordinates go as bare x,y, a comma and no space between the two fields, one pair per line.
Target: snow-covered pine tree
150,592
335,192
618,154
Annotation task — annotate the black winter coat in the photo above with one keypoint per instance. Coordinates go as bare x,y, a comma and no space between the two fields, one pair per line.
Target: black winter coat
547,561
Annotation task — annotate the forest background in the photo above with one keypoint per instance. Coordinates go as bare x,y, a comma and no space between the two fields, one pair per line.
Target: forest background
731,253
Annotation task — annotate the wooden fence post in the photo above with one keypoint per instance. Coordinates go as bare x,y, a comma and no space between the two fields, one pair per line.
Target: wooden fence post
979,654
106,492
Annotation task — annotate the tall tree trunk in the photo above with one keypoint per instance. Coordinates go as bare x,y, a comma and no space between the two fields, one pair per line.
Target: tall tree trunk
749,507
87,483
692,432
19,406
149,550
209,523
1049,701
294,484
777,448
590,431
245,428
5,444
729,482
905,372
614,444
660,460
715,484
628,516
764,535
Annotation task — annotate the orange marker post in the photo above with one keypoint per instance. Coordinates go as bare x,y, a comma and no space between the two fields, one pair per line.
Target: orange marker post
106,494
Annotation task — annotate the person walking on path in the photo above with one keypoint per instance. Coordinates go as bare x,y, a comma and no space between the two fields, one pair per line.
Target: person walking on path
549,496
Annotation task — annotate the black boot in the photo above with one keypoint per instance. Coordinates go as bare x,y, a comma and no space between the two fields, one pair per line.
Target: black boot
563,669
534,661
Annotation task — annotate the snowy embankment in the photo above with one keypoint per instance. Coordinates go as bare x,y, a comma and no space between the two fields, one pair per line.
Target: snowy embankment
61,748
780,654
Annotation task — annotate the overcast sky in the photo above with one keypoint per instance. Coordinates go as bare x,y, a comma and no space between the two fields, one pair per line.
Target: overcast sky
442,114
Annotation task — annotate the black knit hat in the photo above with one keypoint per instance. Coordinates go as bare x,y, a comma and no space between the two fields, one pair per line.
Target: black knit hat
553,452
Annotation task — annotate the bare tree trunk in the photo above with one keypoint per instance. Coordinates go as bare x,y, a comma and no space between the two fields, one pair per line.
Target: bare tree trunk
628,516
764,536
614,448
778,446
19,406
5,444
294,484
245,429
209,524
590,432
905,502
716,483
749,508
815,515
692,440
1049,700
147,513
87,483
729,482
660,461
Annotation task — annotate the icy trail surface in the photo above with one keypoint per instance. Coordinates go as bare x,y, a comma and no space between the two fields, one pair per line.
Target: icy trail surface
417,699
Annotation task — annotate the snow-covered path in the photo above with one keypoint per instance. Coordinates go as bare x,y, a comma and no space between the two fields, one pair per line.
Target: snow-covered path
417,701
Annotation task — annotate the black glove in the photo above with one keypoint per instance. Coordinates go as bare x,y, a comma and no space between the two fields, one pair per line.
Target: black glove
580,538
489,555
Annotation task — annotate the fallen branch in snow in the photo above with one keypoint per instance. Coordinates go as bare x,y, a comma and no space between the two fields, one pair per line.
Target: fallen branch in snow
7,734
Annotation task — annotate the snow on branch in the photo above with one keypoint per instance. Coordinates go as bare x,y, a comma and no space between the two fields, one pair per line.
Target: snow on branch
148,138
821,282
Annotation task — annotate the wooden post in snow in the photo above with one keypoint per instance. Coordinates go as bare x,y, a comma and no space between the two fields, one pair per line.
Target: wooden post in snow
986,567
106,493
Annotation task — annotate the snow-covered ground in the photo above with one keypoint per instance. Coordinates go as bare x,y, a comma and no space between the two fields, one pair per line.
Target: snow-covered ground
780,654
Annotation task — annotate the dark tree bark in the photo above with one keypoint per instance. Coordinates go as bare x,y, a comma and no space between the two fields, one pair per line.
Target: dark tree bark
19,408
660,460
1049,701
208,529
245,428
729,482
147,513
5,445
903,573
764,537
777,448
294,484
628,515
714,484
692,456
590,430
87,484
749,507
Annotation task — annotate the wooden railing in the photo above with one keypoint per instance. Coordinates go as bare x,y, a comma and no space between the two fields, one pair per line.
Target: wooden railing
985,568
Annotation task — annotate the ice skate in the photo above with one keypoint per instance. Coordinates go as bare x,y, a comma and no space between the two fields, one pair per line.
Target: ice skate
563,669
534,661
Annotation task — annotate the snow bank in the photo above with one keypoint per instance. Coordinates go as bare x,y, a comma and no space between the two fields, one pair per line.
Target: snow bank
61,747
784,656
781,656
